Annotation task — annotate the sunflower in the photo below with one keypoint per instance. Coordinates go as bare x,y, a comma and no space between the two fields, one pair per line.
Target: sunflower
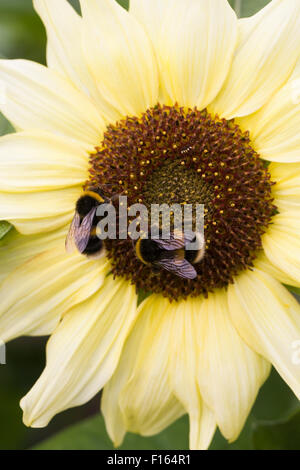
170,102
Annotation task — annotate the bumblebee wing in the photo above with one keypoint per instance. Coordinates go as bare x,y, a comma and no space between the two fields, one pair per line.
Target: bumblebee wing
172,244
180,267
82,235
177,241
70,240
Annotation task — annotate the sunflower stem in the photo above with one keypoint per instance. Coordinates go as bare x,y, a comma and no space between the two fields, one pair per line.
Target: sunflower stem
238,7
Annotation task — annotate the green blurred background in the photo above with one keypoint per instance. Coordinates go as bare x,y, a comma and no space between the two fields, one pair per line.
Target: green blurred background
275,420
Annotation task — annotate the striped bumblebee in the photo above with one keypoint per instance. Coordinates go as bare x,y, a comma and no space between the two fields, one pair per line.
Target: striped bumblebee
83,230
173,254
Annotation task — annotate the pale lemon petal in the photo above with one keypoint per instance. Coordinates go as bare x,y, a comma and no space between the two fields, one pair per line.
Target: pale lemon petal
64,50
114,420
39,98
39,205
202,433
82,353
16,249
152,15
268,49
154,406
267,317
142,370
265,265
31,161
152,371
37,293
184,365
120,56
274,129
42,225
287,189
295,76
194,41
281,244
230,374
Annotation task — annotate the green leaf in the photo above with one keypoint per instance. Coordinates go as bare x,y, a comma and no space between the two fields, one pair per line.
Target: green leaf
5,126
142,295
21,31
293,289
246,8
91,435
75,4
283,435
5,227
275,401
244,442
250,7
124,4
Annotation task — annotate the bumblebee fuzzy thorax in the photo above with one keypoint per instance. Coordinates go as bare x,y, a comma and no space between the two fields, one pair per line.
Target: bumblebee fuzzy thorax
87,202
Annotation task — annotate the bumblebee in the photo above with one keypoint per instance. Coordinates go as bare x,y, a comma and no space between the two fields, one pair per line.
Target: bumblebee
83,230
174,254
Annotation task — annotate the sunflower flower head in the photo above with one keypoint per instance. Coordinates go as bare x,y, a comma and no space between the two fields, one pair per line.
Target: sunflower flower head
176,103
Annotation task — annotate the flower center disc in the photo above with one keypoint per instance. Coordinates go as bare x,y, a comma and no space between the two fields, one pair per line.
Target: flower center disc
175,155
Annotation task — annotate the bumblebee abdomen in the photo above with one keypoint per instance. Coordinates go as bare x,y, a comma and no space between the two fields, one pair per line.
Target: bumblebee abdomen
195,256
191,256
94,246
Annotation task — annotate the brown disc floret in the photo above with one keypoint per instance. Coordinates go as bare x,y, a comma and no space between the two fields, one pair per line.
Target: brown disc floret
186,156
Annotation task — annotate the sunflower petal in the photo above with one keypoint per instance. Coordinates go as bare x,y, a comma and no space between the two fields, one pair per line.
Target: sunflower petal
145,359
64,50
151,369
120,56
52,208
266,55
82,353
230,374
39,98
282,244
264,264
274,129
267,316
42,225
17,249
151,14
184,366
287,189
31,161
194,42
37,293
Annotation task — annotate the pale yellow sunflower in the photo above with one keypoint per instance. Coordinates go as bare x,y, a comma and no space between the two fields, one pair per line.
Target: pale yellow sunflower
172,101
